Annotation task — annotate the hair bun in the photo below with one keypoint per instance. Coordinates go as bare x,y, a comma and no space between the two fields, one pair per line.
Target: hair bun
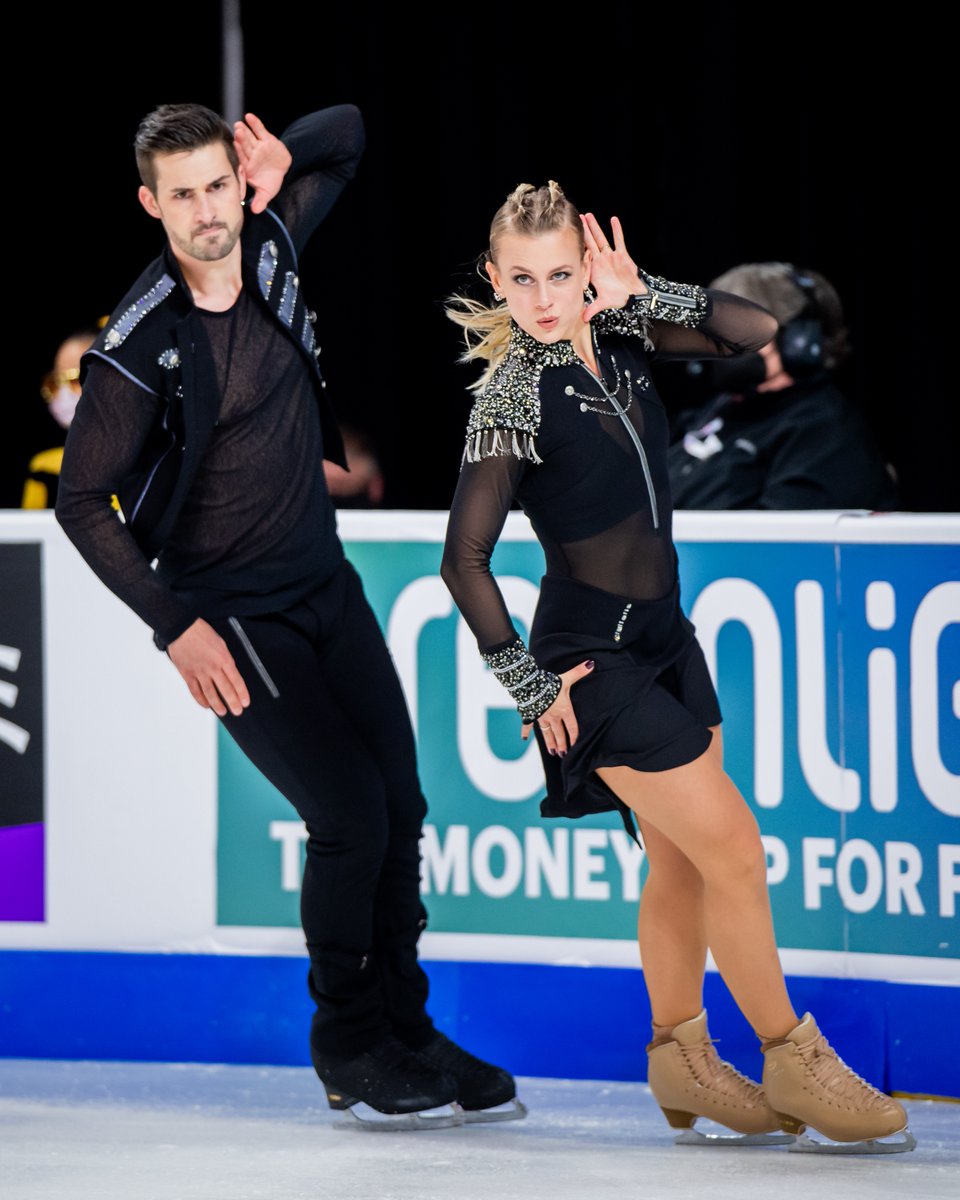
519,193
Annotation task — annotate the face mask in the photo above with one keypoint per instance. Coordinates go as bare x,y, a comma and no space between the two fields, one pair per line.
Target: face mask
741,373
63,404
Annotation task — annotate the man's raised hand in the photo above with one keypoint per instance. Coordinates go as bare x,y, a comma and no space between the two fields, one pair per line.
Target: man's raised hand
264,158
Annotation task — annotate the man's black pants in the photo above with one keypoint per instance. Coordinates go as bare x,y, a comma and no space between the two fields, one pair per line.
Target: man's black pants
328,726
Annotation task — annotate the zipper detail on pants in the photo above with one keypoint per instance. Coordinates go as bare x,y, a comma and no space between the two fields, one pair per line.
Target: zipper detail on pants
253,656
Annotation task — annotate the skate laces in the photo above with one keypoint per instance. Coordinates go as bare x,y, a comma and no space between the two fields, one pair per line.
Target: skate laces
833,1074
711,1071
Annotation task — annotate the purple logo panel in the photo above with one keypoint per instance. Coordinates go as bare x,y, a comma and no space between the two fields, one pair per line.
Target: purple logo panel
21,734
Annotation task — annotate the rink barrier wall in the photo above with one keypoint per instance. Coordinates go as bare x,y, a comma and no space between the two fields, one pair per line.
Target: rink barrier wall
136,840
564,1022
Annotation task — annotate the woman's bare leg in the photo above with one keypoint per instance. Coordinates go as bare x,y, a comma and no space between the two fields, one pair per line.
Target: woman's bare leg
672,931
671,926
698,809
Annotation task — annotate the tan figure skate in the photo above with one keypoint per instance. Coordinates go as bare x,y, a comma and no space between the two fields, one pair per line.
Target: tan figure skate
690,1080
806,1083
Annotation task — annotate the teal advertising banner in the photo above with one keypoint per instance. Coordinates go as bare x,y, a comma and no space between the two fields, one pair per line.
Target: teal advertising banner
838,668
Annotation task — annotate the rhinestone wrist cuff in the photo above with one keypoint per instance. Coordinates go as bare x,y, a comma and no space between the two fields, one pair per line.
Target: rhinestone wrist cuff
533,689
678,303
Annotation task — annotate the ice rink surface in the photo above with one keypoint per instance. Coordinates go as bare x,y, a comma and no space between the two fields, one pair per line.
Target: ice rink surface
131,1131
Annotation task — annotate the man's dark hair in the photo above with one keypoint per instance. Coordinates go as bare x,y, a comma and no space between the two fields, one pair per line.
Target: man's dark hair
174,128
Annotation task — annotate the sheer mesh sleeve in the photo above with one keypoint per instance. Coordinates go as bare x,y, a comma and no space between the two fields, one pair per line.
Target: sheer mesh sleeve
326,147
113,421
731,325
480,505
686,321
479,509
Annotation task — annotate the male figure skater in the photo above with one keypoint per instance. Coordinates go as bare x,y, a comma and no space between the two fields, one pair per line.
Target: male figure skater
203,410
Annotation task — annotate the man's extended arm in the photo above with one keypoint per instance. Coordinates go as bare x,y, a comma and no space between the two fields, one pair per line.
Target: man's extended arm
326,147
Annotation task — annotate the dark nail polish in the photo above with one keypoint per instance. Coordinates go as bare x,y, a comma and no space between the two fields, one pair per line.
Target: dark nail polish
590,664
552,751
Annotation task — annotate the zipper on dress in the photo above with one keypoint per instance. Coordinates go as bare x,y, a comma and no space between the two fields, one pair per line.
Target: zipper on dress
634,436
643,456
253,656
670,298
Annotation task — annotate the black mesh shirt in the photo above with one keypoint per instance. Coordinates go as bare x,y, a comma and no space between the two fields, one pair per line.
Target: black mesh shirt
257,529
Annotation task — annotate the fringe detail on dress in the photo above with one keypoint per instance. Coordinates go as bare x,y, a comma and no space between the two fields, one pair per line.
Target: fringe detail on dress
488,443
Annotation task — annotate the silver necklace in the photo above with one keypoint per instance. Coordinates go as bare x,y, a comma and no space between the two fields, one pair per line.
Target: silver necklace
570,390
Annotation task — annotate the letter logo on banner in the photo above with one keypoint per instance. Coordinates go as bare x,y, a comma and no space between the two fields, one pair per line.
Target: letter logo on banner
881,606
478,691
939,609
835,786
21,734
833,661
740,600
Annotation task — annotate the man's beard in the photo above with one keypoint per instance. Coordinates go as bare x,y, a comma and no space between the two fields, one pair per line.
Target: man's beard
198,246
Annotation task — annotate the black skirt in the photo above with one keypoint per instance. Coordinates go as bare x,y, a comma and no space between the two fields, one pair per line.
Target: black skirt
648,704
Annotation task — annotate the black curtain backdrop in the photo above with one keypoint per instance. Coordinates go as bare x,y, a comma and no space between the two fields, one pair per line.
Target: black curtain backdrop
719,134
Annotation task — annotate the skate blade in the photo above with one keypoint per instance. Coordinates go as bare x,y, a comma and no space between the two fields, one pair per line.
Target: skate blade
513,1110
693,1137
362,1117
807,1145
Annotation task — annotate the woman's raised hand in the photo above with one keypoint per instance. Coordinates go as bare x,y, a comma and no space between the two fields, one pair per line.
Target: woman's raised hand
613,273
558,725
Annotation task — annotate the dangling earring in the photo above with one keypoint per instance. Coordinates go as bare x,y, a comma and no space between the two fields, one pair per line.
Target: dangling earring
497,297
588,295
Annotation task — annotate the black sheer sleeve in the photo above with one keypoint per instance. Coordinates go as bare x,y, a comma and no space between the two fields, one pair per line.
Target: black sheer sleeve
479,509
113,422
326,147
686,321
731,325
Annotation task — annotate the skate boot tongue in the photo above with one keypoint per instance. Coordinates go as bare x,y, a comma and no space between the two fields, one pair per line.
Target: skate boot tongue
806,1031
689,1033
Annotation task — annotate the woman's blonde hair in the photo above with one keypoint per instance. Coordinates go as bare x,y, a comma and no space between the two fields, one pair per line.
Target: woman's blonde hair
529,211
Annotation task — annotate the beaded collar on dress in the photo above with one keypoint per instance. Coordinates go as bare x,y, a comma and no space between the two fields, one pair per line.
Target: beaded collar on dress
505,418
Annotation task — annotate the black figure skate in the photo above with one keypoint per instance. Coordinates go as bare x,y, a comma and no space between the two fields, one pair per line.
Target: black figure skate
484,1092
389,1087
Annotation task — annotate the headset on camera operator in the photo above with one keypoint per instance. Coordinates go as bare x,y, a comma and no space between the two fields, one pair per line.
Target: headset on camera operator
777,433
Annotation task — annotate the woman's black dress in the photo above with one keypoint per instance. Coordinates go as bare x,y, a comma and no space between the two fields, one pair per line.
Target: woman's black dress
599,503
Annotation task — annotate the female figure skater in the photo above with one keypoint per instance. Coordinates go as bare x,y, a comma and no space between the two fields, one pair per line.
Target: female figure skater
567,422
